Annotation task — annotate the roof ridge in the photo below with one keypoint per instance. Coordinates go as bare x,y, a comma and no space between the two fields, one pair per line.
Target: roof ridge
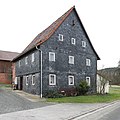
36,41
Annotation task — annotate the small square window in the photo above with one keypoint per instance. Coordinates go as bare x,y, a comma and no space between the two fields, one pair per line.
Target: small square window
51,56
33,79
88,80
60,37
52,79
83,44
26,80
33,57
88,62
71,80
73,41
26,60
71,59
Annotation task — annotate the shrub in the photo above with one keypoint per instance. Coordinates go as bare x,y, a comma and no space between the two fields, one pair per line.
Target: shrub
68,91
52,94
82,88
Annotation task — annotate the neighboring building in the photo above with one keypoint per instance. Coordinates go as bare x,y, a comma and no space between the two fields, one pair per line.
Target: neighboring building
67,58
102,84
112,74
6,66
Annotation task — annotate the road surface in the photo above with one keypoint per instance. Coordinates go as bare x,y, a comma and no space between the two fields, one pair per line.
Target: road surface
11,102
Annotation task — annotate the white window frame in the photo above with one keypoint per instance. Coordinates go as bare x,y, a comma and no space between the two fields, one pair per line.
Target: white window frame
84,44
71,59
73,41
27,80
50,57
33,57
88,62
19,63
60,37
33,79
54,81
69,78
26,60
88,80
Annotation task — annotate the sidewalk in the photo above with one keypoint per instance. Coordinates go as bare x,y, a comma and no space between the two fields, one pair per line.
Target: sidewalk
64,111
30,97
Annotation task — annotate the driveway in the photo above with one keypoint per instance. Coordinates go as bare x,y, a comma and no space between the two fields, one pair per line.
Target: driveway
10,102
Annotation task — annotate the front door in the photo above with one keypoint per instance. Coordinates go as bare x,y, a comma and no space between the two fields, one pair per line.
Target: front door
21,83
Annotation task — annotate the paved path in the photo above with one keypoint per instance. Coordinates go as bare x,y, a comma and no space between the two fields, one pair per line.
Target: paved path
10,102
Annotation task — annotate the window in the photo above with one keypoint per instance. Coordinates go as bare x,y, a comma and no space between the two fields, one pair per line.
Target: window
71,80
19,63
88,62
26,60
83,44
33,57
73,22
51,56
33,79
52,79
73,41
60,37
71,59
26,80
88,80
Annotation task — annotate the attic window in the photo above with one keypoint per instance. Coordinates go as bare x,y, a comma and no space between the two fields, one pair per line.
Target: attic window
73,22
60,37
83,44
73,41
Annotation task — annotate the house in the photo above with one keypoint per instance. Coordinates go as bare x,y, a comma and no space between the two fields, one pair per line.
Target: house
102,84
58,58
6,66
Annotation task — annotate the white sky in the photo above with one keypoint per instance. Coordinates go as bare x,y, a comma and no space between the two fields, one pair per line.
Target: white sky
22,20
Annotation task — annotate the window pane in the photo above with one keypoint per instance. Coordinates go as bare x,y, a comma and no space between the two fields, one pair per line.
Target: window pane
52,79
71,59
26,80
26,60
51,56
88,62
71,80
73,41
33,80
88,80
83,44
60,37
33,57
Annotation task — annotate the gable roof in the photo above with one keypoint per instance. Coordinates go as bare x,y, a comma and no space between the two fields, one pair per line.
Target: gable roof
48,32
8,56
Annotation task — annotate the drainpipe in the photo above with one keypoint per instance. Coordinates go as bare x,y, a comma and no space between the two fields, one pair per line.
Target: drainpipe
40,71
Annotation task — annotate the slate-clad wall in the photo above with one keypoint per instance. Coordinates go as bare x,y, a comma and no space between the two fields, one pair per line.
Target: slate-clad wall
62,50
61,67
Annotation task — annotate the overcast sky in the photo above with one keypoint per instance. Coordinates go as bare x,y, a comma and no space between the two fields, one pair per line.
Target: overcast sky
22,20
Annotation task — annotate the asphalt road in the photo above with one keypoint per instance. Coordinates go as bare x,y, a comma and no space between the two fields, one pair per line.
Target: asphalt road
114,115
10,102
110,112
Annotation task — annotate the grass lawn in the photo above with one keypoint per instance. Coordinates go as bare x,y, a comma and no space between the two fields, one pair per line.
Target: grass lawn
5,85
112,96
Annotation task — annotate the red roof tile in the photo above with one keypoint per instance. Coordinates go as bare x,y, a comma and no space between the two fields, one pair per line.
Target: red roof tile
47,33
